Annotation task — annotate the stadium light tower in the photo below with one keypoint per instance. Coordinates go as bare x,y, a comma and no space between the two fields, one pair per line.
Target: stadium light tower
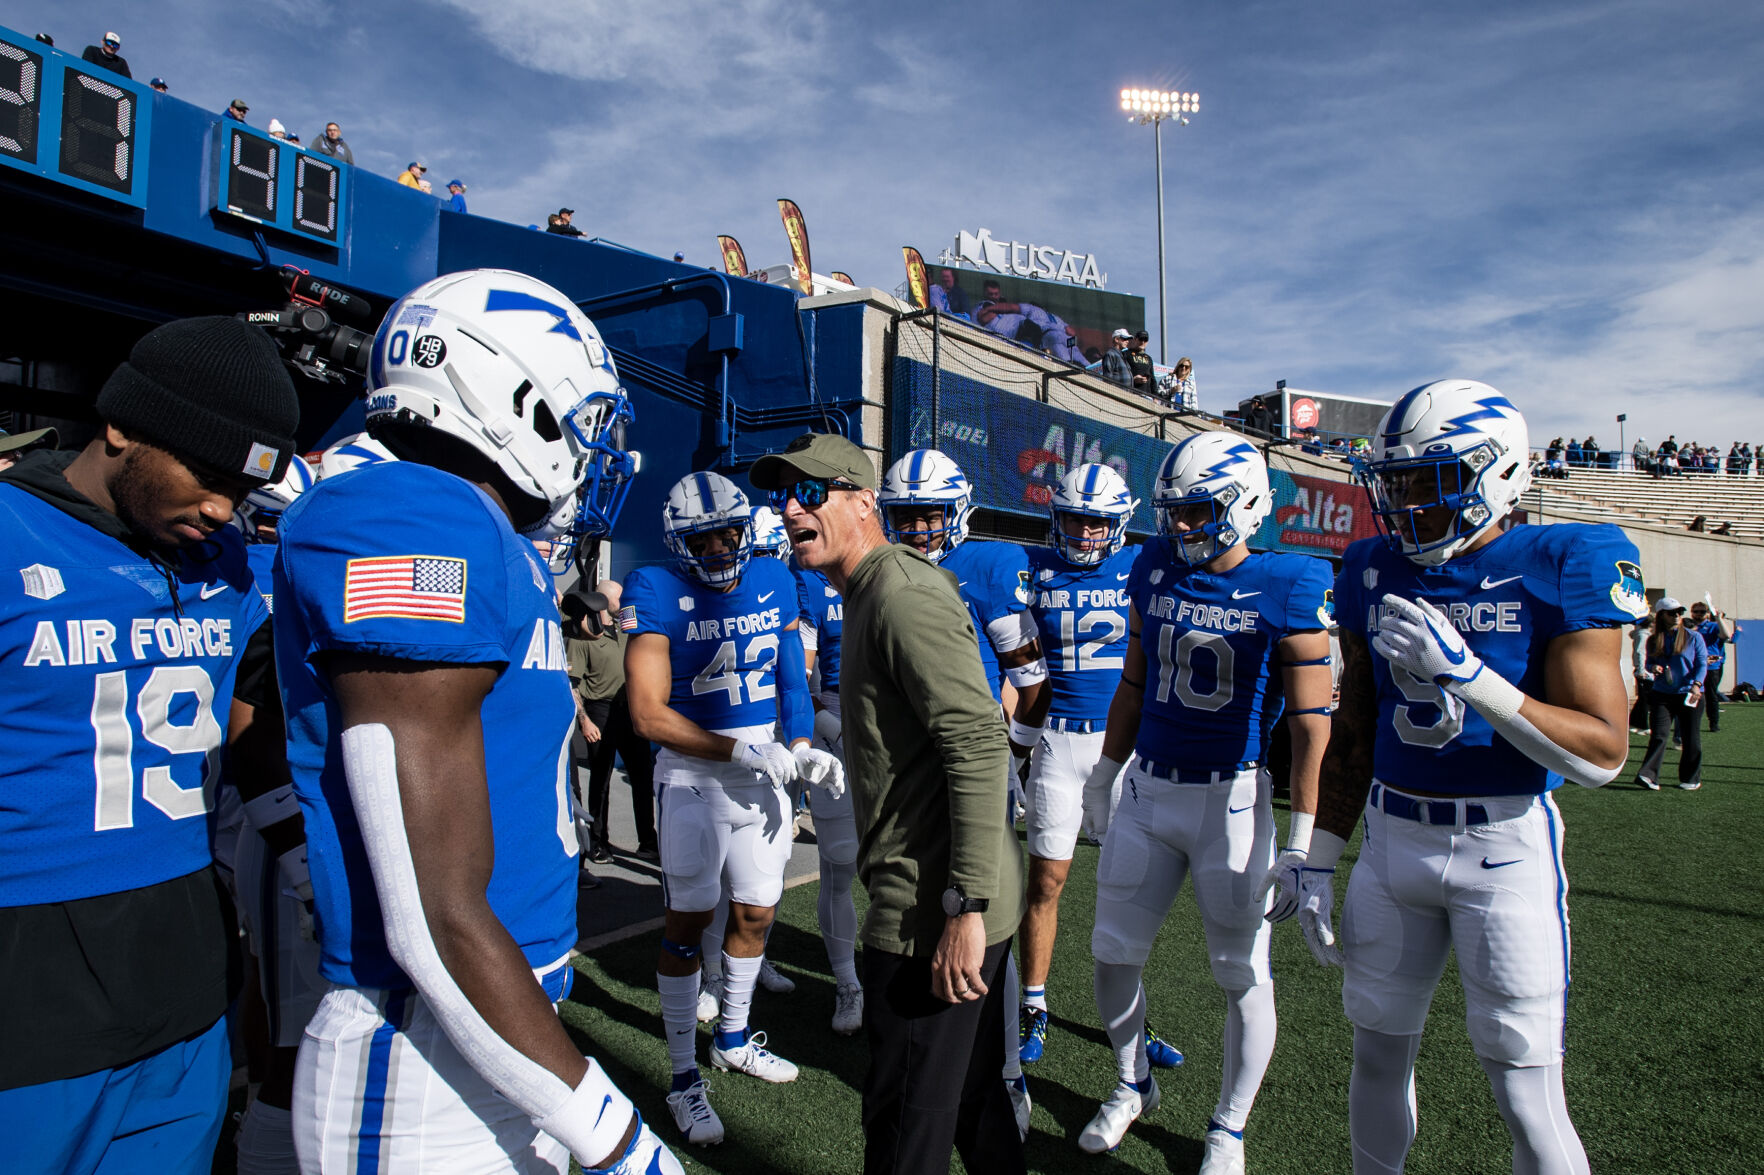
1154,108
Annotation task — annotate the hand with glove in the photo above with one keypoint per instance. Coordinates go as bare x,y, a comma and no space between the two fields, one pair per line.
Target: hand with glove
770,761
645,1156
820,768
297,884
1285,872
1316,898
1416,636
829,731
1100,795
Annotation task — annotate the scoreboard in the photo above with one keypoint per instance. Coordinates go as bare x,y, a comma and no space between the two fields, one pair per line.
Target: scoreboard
76,124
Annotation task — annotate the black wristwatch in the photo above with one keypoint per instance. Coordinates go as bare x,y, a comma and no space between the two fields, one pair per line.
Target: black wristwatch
956,903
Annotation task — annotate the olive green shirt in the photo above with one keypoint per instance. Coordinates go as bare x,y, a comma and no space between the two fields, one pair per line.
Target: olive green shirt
926,755
597,667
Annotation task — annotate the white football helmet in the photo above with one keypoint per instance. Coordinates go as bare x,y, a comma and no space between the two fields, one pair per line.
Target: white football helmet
926,477
512,370
1454,444
352,452
1090,491
1224,471
702,502
264,506
769,536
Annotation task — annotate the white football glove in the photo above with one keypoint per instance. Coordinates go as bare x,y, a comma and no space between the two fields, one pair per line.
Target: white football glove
820,768
1416,636
645,1156
828,730
1285,873
1100,795
771,761
1316,914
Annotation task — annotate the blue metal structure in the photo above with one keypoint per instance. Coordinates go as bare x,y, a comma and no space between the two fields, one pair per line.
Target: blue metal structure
720,369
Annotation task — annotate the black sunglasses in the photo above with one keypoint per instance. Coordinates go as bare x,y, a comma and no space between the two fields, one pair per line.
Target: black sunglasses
810,492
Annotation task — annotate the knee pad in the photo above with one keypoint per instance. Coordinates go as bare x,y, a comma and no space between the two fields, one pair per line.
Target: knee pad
680,950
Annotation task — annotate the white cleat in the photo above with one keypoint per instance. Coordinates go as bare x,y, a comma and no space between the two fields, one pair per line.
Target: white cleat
710,997
694,1116
1018,1087
1109,1127
1224,1154
774,980
752,1059
848,1008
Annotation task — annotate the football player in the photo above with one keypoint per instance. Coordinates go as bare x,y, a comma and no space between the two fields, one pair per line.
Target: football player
428,704
926,500
715,669
130,642
1078,595
1222,643
821,615
273,882
1453,635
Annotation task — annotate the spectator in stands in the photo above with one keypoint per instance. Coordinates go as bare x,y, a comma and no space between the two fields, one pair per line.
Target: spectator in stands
1115,367
412,175
236,110
16,445
947,296
105,54
1573,452
276,129
1666,461
1183,396
1733,459
457,190
559,223
1717,632
1143,372
331,143
1259,418
1643,457
1589,453
1679,661
159,84
1711,459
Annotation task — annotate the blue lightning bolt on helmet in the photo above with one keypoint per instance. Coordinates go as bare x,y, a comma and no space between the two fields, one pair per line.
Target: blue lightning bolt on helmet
1456,446
770,539
495,366
926,477
1090,491
697,504
1220,470
264,506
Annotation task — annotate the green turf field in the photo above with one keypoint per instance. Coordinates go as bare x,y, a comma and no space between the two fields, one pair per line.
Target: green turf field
1666,1020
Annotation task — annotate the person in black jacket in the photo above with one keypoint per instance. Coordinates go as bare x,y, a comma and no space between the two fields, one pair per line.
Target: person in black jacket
106,55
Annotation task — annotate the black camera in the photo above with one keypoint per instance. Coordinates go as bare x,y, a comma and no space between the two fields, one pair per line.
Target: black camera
307,331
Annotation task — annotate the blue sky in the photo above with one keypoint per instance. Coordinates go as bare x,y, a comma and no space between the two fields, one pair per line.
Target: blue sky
1563,199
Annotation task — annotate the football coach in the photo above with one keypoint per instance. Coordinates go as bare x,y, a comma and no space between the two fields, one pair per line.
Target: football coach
926,755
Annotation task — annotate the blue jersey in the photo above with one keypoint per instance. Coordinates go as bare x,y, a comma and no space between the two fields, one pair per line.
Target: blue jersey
404,561
722,646
1509,600
1213,689
1082,615
821,608
118,674
261,557
993,579
1710,631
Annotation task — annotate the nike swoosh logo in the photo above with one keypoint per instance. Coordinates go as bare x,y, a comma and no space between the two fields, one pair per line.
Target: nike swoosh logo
1243,595
1235,811
1495,583
1121,577
1455,658
961,583
1487,864
211,590
767,596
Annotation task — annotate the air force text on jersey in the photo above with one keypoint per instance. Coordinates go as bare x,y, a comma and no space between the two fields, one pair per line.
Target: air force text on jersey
149,639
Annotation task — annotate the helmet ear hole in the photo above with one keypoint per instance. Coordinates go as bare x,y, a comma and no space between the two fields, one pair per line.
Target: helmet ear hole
545,424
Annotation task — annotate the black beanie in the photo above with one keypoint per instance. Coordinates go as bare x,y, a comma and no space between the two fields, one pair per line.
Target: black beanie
210,389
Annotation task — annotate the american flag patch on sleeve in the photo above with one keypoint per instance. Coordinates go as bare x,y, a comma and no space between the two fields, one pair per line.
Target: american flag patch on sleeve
408,587
628,618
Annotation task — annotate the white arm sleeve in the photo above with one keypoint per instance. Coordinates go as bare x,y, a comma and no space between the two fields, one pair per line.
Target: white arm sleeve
1010,633
590,1119
811,637
1498,700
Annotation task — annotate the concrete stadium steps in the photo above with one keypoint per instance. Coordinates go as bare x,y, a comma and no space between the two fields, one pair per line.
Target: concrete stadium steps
1672,501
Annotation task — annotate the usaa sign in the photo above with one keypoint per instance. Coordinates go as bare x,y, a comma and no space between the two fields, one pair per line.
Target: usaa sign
1038,261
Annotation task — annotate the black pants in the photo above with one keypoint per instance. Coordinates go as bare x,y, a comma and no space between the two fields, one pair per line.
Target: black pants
1638,713
935,1080
1663,709
1712,697
618,738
